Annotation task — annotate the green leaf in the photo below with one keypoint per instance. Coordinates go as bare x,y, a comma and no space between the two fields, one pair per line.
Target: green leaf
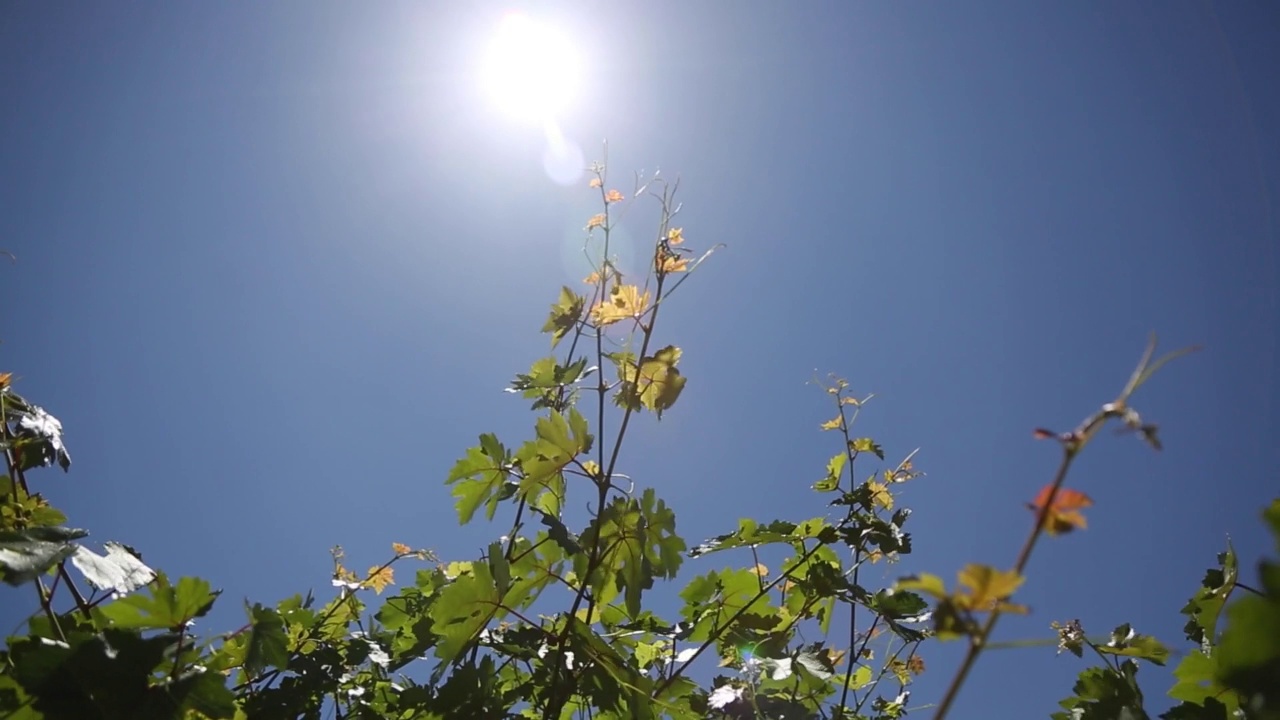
499,568
835,467
1197,684
640,544
1204,608
268,645
862,445
564,316
752,534
1104,694
480,478
168,606
1210,710
110,675
1130,644
461,610
654,384
27,554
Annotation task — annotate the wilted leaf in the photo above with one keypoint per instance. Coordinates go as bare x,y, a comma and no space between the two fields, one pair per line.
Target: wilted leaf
596,221
613,196
834,423
1064,514
120,572
401,549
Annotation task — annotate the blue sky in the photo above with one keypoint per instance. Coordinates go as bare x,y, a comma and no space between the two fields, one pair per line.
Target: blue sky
277,261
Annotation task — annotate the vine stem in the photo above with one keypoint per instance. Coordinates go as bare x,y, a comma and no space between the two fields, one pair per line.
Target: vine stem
977,643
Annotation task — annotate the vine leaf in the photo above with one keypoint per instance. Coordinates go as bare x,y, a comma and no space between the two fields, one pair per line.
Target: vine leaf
565,314
26,554
120,572
654,384
169,606
480,478
1124,641
1064,513
624,301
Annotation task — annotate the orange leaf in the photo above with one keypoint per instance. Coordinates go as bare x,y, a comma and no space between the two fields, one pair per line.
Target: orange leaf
4,379
595,221
401,549
675,236
613,196
1064,514
595,182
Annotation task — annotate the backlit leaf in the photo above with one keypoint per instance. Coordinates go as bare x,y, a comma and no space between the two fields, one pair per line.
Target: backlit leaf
380,577
268,646
624,301
835,468
167,607
1064,514
862,445
834,423
564,316
988,588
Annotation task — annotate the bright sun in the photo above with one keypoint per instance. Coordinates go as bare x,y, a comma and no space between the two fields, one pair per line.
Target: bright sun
531,70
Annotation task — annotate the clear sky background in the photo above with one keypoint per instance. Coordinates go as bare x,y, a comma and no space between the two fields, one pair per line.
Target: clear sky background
276,262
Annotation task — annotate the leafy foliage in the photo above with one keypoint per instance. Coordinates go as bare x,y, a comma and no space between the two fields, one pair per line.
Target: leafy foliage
555,618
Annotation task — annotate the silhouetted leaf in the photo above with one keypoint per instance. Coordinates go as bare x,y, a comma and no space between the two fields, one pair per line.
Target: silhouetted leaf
26,554
167,607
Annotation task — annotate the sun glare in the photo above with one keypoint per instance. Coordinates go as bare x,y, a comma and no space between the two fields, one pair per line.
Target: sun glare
531,70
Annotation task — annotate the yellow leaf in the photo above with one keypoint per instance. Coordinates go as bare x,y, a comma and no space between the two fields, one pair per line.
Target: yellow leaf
833,424
875,556
596,221
401,549
835,657
880,495
625,301
759,570
595,182
849,401
675,236
592,468
613,196
988,588
592,279
380,577
925,583
667,262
